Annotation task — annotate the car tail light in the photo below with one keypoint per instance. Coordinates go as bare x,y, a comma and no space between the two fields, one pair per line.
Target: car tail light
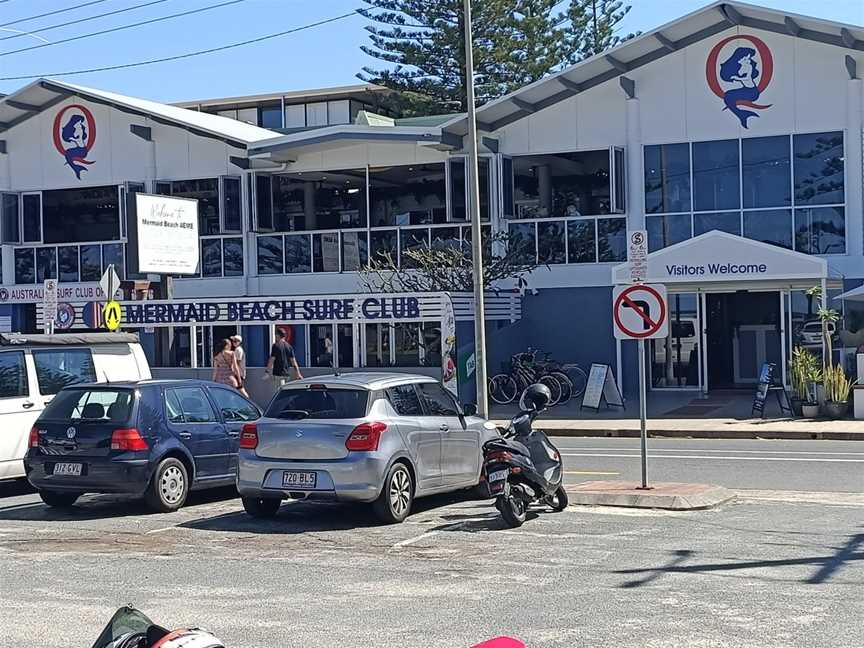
249,436
499,456
34,437
365,437
128,440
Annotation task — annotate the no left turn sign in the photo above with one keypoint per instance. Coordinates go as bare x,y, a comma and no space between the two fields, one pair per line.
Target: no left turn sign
640,312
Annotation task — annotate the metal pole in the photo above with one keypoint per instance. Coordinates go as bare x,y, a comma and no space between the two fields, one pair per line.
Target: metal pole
643,413
476,242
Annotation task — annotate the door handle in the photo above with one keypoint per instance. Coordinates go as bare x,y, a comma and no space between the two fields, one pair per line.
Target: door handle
185,435
27,405
444,427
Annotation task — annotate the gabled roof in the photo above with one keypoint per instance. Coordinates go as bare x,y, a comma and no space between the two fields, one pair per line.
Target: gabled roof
44,93
651,46
359,91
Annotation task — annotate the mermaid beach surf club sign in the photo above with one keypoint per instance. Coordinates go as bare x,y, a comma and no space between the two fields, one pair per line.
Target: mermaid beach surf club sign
739,70
74,134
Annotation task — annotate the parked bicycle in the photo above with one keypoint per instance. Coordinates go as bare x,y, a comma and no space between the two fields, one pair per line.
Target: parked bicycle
524,369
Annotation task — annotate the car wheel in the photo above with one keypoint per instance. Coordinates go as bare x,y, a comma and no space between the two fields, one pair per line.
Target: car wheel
56,499
261,507
394,503
169,487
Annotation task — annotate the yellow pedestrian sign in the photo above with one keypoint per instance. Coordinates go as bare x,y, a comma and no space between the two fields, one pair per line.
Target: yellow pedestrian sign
112,315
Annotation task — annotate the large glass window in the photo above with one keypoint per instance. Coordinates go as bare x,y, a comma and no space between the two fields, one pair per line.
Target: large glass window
232,257
263,202
231,207
550,242
408,195
113,254
560,185
10,225
270,116
765,171
724,221
581,241
667,230
820,230
270,255
667,178
523,241
77,215
206,192
458,194
818,168
325,252
325,200
31,217
67,260
211,257
298,253
716,178
611,239
289,202
384,243
769,226
413,239
91,262
46,264
355,251
25,266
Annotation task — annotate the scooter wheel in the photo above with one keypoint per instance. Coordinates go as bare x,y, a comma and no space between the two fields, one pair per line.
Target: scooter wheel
558,500
513,509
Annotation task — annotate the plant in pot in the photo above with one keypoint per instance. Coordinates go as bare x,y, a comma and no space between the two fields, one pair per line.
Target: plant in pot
837,388
806,374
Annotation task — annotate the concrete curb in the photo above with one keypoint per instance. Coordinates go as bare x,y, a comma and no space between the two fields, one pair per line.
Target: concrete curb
708,434
699,497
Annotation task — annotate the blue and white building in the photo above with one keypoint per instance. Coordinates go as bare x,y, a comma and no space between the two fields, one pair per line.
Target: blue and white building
733,135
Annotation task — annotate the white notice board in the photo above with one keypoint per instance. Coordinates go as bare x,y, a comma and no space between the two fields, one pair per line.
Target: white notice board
601,386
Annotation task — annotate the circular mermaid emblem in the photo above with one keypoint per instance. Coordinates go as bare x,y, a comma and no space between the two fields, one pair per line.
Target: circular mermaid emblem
742,76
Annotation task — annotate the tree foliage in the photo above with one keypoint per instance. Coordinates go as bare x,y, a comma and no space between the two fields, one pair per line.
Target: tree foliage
448,269
516,42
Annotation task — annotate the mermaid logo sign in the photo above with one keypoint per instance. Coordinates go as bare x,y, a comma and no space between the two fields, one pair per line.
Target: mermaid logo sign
738,71
74,135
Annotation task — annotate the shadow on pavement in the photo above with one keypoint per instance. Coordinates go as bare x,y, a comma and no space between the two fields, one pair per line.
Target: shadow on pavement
15,487
97,507
827,566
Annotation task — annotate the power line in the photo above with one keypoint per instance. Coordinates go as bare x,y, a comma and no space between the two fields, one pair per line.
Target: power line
81,20
52,13
183,56
122,27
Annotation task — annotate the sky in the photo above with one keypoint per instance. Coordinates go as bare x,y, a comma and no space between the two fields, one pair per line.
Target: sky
323,56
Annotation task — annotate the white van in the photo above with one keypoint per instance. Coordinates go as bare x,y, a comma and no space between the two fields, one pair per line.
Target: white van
35,367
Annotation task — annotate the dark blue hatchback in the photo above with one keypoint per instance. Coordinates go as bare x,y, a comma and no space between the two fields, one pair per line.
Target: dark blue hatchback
156,438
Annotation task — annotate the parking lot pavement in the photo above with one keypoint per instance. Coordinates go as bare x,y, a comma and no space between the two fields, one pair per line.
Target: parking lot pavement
757,573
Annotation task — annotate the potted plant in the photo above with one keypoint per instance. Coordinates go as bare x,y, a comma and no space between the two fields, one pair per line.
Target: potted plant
806,374
837,387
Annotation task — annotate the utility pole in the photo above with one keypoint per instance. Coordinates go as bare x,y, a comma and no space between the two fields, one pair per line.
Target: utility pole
476,240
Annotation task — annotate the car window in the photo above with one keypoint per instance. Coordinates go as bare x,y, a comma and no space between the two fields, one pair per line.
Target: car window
318,402
59,368
94,405
233,406
194,405
13,375
437,400
172,407
405,400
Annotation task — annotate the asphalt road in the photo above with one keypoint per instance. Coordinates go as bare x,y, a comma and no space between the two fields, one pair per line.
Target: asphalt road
749,464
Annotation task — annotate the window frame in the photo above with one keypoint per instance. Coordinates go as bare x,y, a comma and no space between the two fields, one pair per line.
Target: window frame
216,417
24,195
26,382
426,412
35,353
215,390
414,390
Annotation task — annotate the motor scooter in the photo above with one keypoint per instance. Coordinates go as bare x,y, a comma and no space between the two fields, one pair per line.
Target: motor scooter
523,467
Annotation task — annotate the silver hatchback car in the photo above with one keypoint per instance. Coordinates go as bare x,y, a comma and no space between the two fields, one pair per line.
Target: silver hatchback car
383,438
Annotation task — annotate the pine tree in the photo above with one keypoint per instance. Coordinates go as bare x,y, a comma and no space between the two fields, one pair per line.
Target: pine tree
592,27
538,42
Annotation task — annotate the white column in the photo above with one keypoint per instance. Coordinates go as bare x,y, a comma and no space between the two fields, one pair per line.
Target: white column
635,188
5,172
854,166
151,170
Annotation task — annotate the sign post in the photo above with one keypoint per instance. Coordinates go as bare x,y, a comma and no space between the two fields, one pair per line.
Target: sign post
639,313
49,305
637,255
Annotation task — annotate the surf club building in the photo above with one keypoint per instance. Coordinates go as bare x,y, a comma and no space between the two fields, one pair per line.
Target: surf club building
733,135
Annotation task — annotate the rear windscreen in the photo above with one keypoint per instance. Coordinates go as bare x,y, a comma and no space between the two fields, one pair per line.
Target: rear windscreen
319,403
91,405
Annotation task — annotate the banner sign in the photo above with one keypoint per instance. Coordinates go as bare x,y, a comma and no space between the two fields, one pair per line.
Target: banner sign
163,234
448,345
71,292
154,313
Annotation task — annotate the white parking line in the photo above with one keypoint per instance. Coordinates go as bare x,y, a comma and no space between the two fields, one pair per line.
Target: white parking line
704,458
410,541
728,451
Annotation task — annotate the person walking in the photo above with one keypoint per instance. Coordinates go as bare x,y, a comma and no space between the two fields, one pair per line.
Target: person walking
240,354
281,360
225,369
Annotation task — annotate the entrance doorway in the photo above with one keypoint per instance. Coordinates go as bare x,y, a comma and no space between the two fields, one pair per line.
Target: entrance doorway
743,331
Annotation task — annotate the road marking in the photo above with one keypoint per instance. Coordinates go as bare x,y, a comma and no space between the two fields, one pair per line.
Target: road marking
162,530
410,541
653,456
589,472
780,452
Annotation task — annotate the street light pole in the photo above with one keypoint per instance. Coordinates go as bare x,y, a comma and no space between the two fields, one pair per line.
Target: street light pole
476,240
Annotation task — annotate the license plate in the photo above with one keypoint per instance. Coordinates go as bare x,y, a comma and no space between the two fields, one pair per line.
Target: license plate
70,469
296,479
499,475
